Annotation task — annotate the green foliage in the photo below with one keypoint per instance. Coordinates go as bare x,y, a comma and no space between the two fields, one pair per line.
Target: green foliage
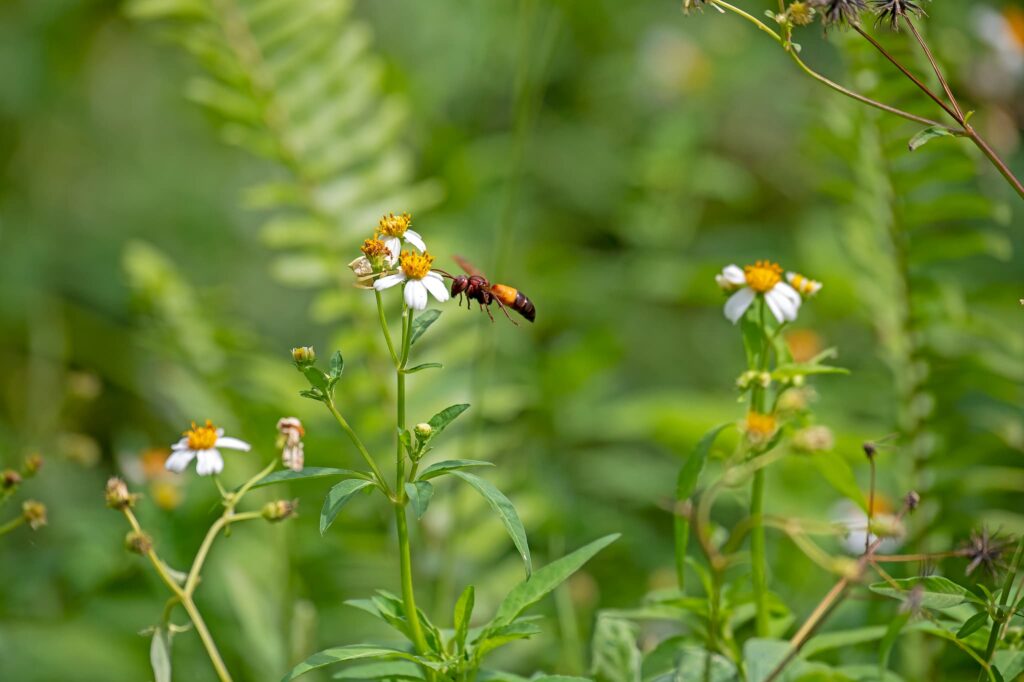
505,511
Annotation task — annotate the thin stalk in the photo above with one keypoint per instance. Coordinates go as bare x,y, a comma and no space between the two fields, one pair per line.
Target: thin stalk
871,503
359,446
11,525
959,116
384,327
1004,599
204,549
757,553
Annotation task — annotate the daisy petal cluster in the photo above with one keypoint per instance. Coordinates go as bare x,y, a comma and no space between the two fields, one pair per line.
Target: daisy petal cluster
764,279
393,230
201,443
418,280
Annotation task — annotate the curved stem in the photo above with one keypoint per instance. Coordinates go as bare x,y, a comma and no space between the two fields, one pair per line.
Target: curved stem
11,525
229,517
359,446
206,638
959,115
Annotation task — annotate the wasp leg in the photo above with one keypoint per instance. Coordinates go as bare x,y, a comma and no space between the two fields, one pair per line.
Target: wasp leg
487,309
504,309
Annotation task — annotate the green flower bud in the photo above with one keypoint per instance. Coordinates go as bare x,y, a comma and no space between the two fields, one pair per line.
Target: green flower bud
279,510
423,430
303,355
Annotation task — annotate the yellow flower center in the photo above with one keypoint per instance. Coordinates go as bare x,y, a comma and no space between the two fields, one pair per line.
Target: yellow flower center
760,426
415,265
374,248
763,275
393,225
202,437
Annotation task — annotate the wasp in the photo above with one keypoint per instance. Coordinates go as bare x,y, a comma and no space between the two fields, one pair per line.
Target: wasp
476,287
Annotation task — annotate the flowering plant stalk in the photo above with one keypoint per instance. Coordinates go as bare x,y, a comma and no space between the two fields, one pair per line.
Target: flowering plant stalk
395,257
32,512
896,14
199,443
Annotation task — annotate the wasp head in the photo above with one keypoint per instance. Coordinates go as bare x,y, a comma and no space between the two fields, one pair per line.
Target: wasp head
459,284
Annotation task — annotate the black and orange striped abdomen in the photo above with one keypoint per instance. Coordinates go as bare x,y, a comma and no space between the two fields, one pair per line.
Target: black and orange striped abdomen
515,300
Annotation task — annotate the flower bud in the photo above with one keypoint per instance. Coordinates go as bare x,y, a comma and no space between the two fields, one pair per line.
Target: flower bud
34,514
279,510
423,430
912,500
138,542
10,479
118,496
813,439
303,355
33,463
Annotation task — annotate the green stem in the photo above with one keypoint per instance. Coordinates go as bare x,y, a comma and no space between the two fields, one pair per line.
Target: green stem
757,553
1004,599
11,525
359,446
384,327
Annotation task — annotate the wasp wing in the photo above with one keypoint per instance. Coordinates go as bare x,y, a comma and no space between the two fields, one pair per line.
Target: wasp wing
467,266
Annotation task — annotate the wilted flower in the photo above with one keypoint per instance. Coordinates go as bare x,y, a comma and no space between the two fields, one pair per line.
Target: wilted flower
418,279
393,230
138,542
34,513
891,11
804,286
814,439
202,442
279,510
290,436
759,427
841,11
376,258
118,496
763,278
10,479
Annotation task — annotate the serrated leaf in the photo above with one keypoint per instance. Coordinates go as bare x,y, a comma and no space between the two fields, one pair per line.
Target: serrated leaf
421,323
309,473
927,135
160,655
934,592
506,512
450,465
349,653
462,617
336,498
419,494
532,590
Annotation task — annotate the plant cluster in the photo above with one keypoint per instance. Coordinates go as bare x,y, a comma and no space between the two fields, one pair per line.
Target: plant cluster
32,512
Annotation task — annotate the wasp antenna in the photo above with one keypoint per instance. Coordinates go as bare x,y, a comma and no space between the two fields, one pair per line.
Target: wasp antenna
443,273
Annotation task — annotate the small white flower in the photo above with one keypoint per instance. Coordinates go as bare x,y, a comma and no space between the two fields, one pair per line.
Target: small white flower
393,230
290,441
847,514
376,259
761,279
201,442
418,278
804,286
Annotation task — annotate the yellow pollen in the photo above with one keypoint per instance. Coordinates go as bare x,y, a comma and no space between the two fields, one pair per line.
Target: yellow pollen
805,286
760,426
763,275
416,265
202,437
393,225
374,248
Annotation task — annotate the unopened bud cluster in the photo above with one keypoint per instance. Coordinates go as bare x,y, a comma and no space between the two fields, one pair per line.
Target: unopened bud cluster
118,496
753,378
303,356
279,510
34,513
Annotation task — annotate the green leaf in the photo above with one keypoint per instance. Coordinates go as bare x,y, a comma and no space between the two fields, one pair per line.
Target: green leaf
837,471
615,654
385,670
694,665
450,465
559,678
686,483
892,633
972,625
312,395
336,499
513,632
506,512
1009,663
442,419
419,494
935,591
341,654
421,323
532,590
337,365
463,614
794,369
160,655
841,639
762,656
315,377
420,368
927,135
285,475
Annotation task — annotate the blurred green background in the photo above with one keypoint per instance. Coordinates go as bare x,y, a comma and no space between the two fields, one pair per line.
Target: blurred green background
606,157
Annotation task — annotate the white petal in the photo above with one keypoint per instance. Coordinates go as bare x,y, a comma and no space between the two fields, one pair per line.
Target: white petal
232,443
733,274
788,301
415,239
210,462
394,245
181,444
738,304
178,461
415,294
436,287
389,281
789,292
779,306
220,432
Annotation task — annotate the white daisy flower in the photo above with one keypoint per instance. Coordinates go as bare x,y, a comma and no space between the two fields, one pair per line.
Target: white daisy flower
805,286
376,258
418,278
392,230
202,442
763,278
290,441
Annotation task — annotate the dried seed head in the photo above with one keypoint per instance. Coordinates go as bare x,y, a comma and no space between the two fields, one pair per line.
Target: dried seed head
800,13
138,542
10,479
840,12
691,4
911,501
279,510
983,549
891,11
118,496
870,449
34,514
